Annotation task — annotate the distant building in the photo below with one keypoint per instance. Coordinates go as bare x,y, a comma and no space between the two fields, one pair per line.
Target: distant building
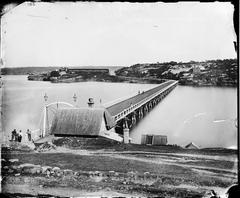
86,71
154,139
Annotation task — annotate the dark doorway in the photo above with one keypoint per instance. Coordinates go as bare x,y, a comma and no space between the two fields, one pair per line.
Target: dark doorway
149,139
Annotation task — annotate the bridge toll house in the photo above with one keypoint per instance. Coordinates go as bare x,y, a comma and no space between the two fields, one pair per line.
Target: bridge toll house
113,121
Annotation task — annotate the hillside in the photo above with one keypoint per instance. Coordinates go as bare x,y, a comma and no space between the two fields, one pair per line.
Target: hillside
206,73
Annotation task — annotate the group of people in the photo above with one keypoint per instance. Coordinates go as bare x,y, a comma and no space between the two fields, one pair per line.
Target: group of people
17,136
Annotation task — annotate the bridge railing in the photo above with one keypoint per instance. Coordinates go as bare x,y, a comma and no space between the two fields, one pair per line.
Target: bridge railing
132,108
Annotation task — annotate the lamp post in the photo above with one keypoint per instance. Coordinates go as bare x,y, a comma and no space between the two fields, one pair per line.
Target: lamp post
45,97
75,98
45,117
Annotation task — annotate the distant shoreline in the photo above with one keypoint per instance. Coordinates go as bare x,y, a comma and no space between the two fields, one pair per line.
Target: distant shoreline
122,79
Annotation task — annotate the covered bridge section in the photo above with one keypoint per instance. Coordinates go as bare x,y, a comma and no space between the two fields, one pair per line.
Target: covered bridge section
88,122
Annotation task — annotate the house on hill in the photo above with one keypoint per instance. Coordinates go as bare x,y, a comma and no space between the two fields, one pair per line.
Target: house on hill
85,122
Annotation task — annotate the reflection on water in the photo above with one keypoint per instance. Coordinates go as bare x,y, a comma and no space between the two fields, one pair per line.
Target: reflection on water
204,116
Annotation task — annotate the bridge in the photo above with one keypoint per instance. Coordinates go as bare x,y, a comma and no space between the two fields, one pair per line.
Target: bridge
109,120
127,113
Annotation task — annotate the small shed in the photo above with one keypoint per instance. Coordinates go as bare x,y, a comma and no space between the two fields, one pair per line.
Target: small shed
154,139
191,145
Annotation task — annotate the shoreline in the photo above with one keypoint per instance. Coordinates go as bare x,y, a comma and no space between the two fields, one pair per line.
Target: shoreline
124,80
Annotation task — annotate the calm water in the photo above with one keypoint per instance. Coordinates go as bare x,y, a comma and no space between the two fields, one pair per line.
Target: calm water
204,116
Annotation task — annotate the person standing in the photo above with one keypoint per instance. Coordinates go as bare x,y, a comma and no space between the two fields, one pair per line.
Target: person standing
20,136
29,135
14,133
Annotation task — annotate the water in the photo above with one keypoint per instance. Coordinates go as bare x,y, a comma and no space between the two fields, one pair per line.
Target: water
204,116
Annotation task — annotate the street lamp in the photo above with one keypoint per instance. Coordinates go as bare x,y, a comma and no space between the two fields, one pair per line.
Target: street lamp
75,98
45,97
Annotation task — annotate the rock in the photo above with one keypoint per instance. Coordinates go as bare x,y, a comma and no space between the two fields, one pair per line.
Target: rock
97,173
131,174
17,174
10,171
45,168
26,170
91,173
108,189
48,172
59,174
3,160
68,172
56,169
111,173
13,160
35,170
39,170
5,167
14,167
26,165
146,175
46,146
211,194
29,168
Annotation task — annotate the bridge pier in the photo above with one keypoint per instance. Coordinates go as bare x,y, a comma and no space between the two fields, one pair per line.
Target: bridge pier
134,120
126,135
140,113
125,132
145,109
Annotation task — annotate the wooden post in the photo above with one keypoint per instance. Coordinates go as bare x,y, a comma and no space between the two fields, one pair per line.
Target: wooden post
45,121
134,119
126,133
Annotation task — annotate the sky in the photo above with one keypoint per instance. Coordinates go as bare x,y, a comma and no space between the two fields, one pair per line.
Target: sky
115,34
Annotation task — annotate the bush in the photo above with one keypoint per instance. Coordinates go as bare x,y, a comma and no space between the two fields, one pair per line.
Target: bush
54,74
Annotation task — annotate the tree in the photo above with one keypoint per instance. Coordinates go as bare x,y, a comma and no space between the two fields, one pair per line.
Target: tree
54,74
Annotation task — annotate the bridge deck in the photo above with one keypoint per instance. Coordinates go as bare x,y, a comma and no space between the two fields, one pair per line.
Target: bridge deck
119,107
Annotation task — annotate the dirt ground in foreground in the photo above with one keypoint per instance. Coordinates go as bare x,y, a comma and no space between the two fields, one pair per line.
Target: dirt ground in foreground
70,167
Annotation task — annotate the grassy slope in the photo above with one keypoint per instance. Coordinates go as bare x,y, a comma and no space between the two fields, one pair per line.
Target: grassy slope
125,158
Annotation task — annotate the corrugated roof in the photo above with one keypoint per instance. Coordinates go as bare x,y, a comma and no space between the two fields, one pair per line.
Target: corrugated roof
80,121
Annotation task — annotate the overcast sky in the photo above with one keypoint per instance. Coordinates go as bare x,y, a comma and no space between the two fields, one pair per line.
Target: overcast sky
116,34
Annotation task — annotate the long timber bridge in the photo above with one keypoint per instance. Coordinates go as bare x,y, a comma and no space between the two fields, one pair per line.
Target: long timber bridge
110,120
128,112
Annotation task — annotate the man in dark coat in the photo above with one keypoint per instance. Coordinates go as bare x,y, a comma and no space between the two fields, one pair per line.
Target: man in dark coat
14,133
20,136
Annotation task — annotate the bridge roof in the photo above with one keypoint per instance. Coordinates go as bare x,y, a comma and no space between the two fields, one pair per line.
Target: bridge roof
81,121
119,107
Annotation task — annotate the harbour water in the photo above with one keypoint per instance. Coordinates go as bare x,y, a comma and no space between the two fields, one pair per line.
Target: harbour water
205,115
